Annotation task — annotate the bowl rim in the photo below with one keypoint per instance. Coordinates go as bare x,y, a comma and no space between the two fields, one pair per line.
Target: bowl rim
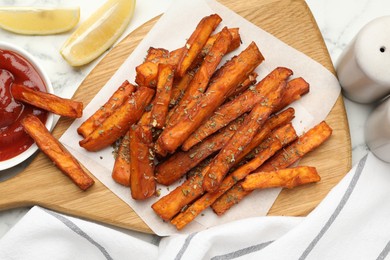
50,116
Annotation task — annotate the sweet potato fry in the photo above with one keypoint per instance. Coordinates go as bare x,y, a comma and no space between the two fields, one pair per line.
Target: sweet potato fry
182,84
196,42
155,54
295,89
115,101
61,157
285,178
142,183
243,86
146,73
121,171
243,103
120,121
47,101
145,119
230,75
172,203
175,56
159,150
254,121
236,39
283,159
179,86
229,199
162,98
198,84
234,44
269,147
181,162
272,123
305,144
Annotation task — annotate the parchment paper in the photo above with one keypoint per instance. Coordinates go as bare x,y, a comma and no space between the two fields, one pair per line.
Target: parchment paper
171,32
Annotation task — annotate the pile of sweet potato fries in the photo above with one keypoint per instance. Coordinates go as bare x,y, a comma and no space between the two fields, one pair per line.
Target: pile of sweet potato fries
188,115
226,132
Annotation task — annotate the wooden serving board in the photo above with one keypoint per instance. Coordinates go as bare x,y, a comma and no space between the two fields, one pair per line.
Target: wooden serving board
291,21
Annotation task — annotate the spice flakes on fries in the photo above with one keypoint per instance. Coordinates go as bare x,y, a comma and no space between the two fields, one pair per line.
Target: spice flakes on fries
191,111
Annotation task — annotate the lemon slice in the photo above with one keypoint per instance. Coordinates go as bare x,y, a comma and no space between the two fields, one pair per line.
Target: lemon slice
96,34
38,21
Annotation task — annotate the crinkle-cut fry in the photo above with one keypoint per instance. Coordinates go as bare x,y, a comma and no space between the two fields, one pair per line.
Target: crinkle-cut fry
268,147
196,42
283,159
251,80
61,157
285,178
226,158
142,183
120,121
231,74
121,171
162,98
242,104
172,203
115,101
155,54
198,84
146,73
47,101
181,162
295,89
273,122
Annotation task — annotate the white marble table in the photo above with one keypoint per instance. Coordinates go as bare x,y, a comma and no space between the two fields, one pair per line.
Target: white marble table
339,21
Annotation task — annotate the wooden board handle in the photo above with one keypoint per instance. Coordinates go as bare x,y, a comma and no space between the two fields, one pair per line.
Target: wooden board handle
12,195
32,186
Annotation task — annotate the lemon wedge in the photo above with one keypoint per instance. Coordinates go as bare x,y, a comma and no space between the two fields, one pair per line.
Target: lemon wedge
38,21
96,34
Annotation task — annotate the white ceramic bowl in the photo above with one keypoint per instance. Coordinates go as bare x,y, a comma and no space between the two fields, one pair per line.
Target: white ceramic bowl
50,117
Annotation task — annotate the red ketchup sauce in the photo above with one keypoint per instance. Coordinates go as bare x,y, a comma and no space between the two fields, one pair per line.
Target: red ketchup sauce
16,69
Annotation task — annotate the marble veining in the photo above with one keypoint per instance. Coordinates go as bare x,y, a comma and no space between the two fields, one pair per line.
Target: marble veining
339,22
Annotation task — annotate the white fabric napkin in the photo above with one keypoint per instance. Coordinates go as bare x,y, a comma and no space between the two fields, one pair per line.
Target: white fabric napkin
43,234
352,222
